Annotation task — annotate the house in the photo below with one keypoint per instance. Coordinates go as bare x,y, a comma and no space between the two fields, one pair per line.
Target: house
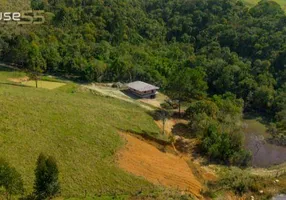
142,89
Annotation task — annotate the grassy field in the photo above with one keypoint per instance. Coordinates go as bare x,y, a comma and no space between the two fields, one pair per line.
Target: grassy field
79,129
44,84
254,2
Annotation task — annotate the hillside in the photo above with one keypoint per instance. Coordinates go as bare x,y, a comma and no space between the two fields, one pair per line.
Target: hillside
216,60
78,128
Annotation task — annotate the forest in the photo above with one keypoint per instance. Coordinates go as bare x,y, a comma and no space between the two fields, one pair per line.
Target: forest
224,57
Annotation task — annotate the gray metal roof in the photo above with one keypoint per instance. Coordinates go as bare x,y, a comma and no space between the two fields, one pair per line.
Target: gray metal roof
141,86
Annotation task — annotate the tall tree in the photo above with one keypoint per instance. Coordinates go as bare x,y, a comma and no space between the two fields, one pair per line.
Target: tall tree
186,84
36,63
163,115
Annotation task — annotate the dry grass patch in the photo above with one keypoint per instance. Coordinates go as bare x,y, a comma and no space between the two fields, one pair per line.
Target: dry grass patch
44,84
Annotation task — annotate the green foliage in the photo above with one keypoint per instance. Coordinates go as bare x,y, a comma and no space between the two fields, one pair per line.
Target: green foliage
186,84
46,182
217,122
231,47
265,8
240,182
224,111
191,49
224,147
10,179
201,115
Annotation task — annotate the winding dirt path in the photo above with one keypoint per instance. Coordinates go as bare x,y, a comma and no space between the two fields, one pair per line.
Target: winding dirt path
145,160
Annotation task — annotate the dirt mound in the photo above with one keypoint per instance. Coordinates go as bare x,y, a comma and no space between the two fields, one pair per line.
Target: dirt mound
143,159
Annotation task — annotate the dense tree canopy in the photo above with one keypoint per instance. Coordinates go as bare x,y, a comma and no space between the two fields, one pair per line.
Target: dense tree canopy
224,46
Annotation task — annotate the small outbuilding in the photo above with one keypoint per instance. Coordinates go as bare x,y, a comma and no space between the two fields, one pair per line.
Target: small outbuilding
142,89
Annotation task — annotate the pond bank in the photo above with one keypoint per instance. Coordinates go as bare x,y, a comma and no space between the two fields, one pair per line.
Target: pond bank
264,153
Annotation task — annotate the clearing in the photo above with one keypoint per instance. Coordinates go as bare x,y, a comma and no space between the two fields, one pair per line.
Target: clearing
41,83
107,90
70,124
145,160
44,84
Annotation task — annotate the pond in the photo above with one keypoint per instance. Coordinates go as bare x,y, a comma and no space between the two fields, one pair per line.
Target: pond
264,154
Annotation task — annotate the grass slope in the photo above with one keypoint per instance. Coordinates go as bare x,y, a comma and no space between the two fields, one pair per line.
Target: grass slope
14,5
254,2
78,128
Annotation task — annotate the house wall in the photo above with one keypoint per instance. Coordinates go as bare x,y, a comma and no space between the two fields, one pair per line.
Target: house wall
146,94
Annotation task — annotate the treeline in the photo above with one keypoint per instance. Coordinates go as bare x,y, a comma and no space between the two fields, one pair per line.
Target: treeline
223,45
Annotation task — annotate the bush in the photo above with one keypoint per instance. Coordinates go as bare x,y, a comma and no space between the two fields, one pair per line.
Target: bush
224,147
238,181
241,158
166,105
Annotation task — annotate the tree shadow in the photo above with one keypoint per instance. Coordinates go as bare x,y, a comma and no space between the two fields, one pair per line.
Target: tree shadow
260,117
130,94
13,84
7,68
181,129
147,135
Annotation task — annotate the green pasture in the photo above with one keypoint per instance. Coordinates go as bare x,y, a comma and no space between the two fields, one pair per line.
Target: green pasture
78,128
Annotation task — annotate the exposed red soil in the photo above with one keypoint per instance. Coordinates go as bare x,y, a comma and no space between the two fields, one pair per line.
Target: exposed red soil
143,159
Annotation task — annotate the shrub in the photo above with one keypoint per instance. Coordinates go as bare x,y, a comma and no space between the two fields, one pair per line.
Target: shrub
166,105
241,158
238,181
224,147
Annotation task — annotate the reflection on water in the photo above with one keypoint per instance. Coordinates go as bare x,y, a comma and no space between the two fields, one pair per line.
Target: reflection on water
264,154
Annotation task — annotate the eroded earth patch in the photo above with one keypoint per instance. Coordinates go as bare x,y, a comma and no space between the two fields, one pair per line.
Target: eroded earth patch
145,160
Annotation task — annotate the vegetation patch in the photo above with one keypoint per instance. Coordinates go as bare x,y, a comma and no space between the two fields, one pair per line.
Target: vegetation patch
245,184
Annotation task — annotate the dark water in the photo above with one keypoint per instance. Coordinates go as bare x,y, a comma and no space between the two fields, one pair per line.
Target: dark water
264,153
